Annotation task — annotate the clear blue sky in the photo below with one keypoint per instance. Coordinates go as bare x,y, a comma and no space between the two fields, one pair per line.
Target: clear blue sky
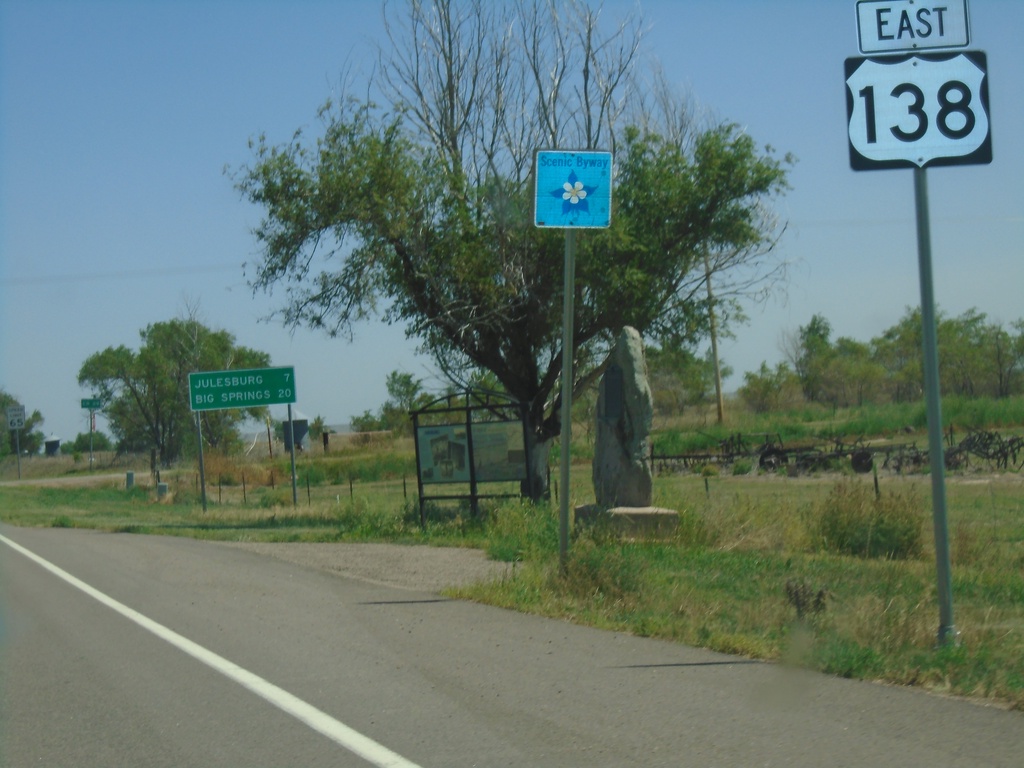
118,117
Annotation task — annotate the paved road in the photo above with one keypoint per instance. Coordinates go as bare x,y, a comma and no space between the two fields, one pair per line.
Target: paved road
319,665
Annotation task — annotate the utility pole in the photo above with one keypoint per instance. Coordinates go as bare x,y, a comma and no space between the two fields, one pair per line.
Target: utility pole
719,400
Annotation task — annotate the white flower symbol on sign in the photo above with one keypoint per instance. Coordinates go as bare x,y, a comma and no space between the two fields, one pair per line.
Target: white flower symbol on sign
574,192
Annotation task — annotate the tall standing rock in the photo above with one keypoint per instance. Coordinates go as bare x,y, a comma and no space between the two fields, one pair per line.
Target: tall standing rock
622,470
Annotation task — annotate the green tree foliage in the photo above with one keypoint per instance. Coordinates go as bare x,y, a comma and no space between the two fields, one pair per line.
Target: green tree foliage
899,351
145,393
770,389
366,422
423,206
852,376
317,427
679,379
1006,358
83,440
811,356
977,358
405,394
840,373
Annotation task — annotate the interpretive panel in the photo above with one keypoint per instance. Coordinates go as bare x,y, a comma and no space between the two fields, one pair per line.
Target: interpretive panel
443,453
498,451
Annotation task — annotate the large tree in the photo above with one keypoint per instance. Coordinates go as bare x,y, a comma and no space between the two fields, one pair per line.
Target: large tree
419,204
810,353
145,393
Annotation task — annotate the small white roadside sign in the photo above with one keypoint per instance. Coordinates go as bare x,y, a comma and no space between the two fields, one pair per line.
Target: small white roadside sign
16,417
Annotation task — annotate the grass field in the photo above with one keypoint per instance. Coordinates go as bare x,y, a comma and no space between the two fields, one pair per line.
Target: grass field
815,570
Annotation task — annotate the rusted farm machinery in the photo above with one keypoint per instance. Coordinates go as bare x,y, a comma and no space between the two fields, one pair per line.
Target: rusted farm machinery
1001,452
768,452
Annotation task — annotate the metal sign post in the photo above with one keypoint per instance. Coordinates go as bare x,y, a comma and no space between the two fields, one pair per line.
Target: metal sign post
572,190
16,422
947,631
202,466
916,110
291,439
92,404
568,307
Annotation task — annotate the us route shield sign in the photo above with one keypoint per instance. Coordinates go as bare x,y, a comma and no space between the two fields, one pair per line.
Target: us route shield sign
918,110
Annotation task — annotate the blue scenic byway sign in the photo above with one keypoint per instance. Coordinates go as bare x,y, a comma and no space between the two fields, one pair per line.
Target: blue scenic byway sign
572,189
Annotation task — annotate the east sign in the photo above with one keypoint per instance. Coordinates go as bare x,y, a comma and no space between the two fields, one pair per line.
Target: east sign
892,26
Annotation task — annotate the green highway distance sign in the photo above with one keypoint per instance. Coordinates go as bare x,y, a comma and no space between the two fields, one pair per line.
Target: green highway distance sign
250,388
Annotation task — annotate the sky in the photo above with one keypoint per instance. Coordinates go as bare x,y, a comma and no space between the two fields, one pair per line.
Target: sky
121,122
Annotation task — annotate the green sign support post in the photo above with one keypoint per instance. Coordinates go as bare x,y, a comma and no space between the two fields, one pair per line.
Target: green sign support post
92,404
573,190
565,447
887,131
244,388
947,634
16,422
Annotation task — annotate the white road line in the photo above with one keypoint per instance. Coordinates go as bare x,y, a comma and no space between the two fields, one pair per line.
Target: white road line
320,721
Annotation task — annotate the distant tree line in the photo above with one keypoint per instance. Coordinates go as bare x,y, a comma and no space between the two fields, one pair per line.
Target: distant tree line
977,358
405,393
85,442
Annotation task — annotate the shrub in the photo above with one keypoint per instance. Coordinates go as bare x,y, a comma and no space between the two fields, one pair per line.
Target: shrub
742,467
605,572
311,474
221,469
275,497
519,530
368,466
854,521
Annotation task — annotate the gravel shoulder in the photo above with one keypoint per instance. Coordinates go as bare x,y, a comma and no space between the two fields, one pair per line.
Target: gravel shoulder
422,568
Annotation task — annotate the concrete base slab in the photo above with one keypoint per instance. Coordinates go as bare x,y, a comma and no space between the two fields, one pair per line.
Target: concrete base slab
631,521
